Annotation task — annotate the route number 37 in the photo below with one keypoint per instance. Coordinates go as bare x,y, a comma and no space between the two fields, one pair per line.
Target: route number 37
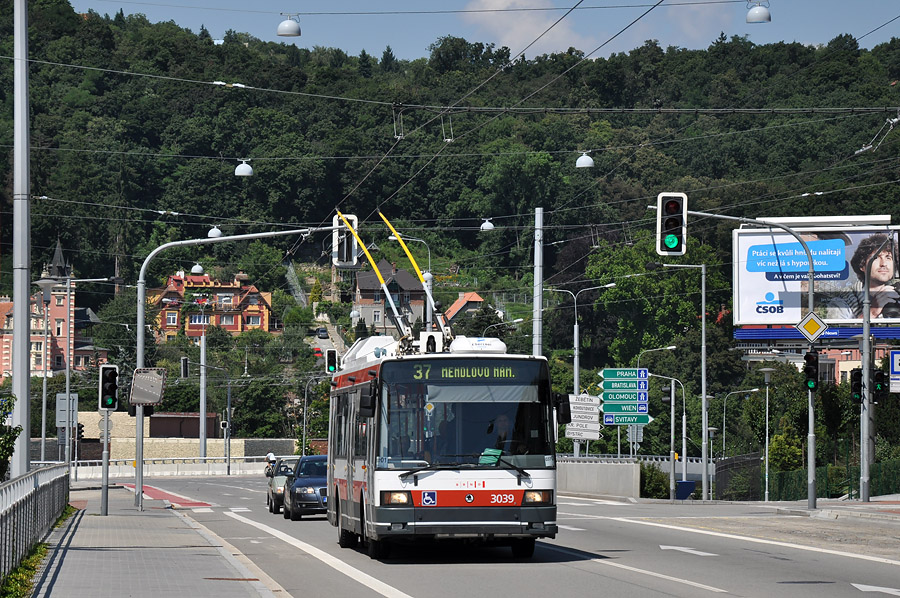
421,372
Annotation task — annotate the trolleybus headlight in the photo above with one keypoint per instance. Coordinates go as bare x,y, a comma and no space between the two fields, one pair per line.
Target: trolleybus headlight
395,498
536,497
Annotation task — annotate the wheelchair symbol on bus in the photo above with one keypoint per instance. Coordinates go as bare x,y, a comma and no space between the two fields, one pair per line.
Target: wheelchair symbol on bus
429,499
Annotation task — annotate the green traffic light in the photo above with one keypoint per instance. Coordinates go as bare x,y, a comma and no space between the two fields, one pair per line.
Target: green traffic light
671,241
811,384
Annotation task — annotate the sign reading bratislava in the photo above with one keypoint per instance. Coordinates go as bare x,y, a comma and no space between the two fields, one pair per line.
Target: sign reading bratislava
771,273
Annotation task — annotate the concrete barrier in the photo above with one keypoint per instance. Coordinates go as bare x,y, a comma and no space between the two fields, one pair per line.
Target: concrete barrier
597,478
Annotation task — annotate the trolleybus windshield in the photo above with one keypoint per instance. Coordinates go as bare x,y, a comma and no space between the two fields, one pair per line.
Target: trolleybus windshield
487,412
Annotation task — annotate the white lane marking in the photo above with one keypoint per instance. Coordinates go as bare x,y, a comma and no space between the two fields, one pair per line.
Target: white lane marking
599,501
202,510
863,557
687,550
571,529
240,509
610,563
863,588
365,579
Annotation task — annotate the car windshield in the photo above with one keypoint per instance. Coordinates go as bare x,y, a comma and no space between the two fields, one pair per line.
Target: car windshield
312,469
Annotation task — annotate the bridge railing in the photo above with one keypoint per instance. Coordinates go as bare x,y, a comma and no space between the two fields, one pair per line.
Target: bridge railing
29,505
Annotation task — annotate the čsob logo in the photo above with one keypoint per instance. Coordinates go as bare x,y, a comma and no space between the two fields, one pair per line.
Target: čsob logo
770,306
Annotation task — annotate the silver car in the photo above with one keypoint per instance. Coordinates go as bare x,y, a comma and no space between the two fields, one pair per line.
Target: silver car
283,467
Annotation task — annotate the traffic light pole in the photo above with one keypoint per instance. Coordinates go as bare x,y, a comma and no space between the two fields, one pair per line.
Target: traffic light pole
104,488
811,436
865,359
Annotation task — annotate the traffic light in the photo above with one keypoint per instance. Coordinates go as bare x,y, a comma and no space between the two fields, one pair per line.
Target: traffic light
811,370
109,387
331,361
671,223
856,385
80,432
879,386
184,367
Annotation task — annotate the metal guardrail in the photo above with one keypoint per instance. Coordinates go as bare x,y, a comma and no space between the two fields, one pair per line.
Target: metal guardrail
29,505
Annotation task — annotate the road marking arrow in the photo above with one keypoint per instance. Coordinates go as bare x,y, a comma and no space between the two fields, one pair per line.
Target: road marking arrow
888,591
687,550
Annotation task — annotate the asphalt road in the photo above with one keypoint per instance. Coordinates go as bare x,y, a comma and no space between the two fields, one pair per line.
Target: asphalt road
604,548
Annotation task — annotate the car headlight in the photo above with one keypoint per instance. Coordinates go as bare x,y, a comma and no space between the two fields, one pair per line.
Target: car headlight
279,490
306,490
537,497
395,498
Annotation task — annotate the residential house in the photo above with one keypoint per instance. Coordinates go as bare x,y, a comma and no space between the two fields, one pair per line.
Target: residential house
65,328
191,302
466,305
370,302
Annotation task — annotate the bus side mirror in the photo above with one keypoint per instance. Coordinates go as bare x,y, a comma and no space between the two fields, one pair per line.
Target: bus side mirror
563,410
367,400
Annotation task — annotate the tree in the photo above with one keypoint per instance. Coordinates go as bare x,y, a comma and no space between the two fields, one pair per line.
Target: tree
8,434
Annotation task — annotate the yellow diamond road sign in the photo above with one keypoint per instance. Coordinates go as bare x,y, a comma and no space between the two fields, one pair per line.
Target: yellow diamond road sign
812,327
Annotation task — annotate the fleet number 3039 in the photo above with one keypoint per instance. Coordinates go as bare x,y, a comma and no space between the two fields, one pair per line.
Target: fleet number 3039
502,499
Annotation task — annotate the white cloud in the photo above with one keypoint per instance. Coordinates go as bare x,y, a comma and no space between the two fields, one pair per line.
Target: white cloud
516,30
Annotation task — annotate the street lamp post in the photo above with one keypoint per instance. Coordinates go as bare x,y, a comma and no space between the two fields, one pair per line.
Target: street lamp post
45,284
724,405
619,428
215,236
576,341
429,278
767,372
516,321
672,434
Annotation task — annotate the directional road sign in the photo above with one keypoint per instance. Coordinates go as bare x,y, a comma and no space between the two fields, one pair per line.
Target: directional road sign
624,374
624,385
583,400
582,434
582,408
625,396
624,407
622,419
586,417
895,371
589,426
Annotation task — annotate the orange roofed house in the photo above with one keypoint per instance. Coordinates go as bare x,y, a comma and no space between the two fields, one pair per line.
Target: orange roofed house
235,306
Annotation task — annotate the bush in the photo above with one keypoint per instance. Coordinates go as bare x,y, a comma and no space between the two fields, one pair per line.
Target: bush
654,482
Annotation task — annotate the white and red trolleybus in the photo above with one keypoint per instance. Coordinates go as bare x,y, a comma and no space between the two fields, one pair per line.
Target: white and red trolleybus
458,444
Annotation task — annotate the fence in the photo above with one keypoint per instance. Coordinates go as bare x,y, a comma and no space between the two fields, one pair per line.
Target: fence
29,505
833,481
739,478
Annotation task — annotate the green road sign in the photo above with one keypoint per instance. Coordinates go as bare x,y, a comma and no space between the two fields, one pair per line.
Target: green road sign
621,419
624,374
624,385
624,396
624,408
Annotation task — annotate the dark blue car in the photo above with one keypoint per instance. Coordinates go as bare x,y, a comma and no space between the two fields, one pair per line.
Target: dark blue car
305,490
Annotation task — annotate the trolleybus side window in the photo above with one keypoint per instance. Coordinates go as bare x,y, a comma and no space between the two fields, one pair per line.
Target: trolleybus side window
340,427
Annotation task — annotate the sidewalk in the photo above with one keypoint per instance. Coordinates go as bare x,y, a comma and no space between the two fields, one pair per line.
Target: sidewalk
886,508
156,553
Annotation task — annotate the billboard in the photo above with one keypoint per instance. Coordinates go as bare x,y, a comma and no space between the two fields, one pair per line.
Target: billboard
771,273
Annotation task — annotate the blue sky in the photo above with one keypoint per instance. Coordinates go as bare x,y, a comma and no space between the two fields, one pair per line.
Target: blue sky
415,24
